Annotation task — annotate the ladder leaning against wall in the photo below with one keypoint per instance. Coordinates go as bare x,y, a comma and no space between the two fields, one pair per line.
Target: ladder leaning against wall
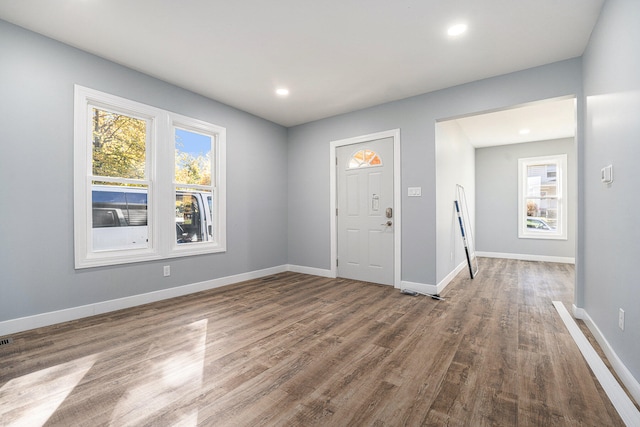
465,229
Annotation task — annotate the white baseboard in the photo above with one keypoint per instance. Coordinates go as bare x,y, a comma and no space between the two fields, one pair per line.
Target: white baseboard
578,313
625,407
528,257
422,288
631,383
46,319
444,282
310,270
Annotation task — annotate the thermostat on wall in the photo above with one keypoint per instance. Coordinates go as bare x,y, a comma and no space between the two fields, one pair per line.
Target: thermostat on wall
606,174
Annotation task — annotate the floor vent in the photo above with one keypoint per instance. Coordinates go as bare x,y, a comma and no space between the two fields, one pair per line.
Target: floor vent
5,341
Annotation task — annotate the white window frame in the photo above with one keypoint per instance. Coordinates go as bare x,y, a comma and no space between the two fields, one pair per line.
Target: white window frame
560,233
160,173
218,185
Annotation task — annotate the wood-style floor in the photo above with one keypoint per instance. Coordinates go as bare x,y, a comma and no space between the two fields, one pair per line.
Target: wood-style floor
300,350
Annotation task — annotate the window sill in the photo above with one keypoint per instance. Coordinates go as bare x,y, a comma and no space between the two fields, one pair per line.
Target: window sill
541,236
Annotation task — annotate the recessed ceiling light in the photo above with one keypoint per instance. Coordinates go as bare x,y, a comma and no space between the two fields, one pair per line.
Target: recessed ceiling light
457,29
282,91
524,131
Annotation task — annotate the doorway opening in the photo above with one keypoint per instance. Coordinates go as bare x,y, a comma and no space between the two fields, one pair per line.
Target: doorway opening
481,152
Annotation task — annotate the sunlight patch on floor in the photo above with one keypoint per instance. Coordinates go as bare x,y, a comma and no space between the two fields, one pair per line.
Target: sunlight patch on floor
31,399
171,373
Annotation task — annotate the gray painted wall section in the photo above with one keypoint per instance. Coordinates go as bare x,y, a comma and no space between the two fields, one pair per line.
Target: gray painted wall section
455,164
37,77
308,188
612,136
497,195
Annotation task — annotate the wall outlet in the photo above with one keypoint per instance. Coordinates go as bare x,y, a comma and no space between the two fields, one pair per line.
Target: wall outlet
167,270
621,319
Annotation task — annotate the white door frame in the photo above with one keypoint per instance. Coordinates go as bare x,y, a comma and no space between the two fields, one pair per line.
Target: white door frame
397,198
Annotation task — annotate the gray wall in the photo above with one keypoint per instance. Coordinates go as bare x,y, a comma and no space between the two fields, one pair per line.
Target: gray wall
455,164
308,238
37,77
497,193
611,235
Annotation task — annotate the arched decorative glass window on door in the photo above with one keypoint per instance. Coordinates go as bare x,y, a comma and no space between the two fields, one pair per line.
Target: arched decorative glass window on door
364,159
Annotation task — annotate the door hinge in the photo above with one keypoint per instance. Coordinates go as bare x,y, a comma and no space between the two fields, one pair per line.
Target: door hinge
336,161
336,211
336,262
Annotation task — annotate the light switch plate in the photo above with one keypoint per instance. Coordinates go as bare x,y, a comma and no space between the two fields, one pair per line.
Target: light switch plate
415,192
606,174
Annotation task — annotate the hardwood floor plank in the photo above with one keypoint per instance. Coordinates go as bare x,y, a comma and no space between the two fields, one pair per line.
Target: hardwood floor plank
292,349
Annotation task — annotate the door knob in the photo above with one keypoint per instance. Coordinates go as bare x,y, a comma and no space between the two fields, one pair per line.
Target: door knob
387,224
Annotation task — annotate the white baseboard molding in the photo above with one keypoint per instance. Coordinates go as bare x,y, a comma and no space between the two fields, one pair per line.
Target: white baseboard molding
623,404
310,270
444,282
527,257
424,288
631,383
51,318
578,313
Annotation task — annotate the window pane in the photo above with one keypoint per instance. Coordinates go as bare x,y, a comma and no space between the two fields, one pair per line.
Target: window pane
364,158
119,217
193,157
541,180
542,214
119,145
193,216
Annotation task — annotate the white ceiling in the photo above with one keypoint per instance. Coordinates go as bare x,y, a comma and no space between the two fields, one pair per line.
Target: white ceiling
334,56
545,120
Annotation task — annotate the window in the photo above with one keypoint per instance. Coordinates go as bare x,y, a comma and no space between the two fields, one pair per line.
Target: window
193,186
542,203
148,183
363,159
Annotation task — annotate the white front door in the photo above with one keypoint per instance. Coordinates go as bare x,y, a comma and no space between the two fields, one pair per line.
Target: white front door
365,211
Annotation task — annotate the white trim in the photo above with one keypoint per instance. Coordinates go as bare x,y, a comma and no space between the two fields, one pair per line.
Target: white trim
84,99
218,135
422,288
578,313
633,386
528,257
434,289
625,407
397,198
310,270
449,277
46,319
